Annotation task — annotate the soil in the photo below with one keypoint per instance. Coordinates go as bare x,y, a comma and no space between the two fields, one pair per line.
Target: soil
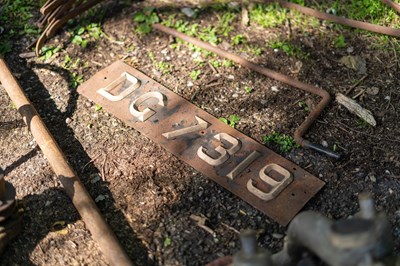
146,194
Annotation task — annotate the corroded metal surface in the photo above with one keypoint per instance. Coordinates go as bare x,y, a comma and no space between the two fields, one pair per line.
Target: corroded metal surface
222,153
81,199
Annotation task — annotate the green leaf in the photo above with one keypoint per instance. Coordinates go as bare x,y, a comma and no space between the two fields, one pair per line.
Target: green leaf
139,17
167,242
97,107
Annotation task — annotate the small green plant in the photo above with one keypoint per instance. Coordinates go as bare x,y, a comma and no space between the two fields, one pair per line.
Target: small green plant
195,74
232,121
209,34
5,47
254,50
75,80
84,34
227,63
145,19
248,89
225,22
288,48
164,67
304,106
286,143
267,15
238,39
167,242
340,41
215,63
49,51
70,64
97,107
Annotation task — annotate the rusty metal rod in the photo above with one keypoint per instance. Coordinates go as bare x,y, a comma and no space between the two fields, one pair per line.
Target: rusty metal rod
340,20
392,4
85,205
302,129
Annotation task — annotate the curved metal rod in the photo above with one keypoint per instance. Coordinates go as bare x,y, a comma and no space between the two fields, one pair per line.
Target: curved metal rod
302,129
81,199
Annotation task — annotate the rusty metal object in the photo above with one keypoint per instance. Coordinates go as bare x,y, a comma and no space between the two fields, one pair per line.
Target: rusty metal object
10,220
222,153
85,205
302,129
341,20
251,254
55,13
392,4
364,239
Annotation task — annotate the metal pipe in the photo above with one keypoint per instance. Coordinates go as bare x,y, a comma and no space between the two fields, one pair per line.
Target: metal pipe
343,21
85,205
302,129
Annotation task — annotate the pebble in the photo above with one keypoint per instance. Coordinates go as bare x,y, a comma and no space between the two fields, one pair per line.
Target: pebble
324,143
274,88
231,77
350,49
68,120
190,84
387,98
277,236
100,198
235,95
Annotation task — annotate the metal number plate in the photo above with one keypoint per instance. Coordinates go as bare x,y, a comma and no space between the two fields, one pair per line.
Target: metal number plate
267,181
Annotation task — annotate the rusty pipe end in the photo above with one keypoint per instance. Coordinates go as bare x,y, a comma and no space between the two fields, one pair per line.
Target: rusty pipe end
319,148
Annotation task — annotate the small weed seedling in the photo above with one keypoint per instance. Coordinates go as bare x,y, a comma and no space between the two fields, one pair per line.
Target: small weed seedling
267,15
340,42
286,143
49,51
145,19
304,106
232,121
76,80
195,74
248,89
238,39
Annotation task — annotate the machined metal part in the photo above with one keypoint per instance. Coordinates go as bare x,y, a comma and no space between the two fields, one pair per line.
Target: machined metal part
313,239
222,153
251,254
81,199
10,220
364,239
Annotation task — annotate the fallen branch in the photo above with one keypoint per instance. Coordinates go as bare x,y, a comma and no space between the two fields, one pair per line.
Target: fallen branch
356,109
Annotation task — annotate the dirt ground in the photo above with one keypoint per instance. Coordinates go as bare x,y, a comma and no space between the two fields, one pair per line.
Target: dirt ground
146,194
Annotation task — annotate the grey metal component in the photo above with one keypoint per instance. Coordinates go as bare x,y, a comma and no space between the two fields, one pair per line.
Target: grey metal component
361,240
251,254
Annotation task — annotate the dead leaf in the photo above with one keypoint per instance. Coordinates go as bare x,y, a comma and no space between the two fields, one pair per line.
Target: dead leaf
356,63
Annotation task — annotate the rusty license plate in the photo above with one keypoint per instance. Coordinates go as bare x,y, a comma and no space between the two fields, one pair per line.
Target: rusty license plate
264,179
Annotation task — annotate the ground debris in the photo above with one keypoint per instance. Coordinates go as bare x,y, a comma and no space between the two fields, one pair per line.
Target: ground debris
356,109
356,63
